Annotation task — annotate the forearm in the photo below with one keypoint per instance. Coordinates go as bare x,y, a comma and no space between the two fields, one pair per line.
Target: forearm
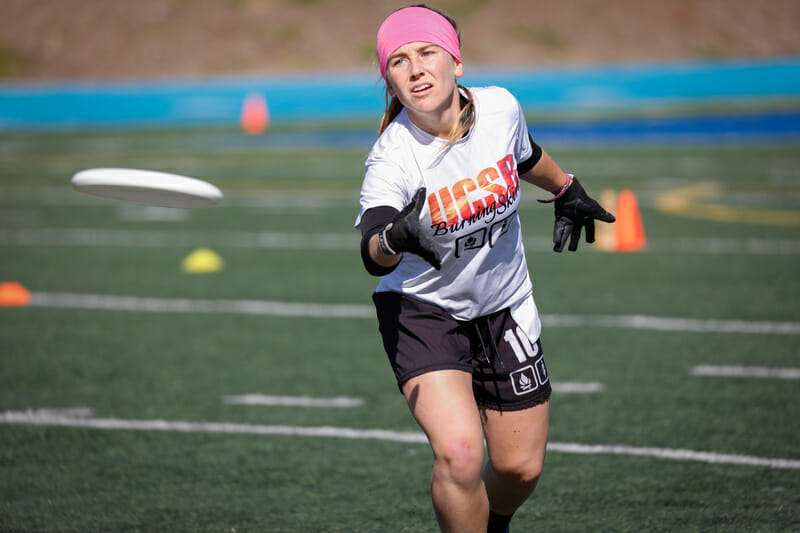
546,174
375,261
380,258
387,234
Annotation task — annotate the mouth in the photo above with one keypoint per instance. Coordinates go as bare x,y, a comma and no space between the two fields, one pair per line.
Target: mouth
421,88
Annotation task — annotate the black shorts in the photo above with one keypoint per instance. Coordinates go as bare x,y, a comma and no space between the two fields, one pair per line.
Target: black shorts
508,369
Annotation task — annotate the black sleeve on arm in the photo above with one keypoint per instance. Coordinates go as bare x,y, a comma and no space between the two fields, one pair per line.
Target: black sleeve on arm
372,221
529,163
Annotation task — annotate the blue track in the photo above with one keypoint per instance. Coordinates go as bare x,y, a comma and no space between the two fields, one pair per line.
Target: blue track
763,85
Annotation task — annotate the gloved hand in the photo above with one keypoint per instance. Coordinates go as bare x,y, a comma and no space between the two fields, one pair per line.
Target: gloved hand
404,234
574,210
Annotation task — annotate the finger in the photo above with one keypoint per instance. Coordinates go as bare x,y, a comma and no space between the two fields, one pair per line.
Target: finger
427,250
575,238
605,216
561,232
590,230
601,214
414,206
430,255
433,260
418,201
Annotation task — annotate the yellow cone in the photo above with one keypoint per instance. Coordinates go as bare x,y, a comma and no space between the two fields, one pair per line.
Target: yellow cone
605,239
202,261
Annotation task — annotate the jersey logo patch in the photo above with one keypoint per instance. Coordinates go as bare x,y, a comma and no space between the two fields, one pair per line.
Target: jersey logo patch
478,239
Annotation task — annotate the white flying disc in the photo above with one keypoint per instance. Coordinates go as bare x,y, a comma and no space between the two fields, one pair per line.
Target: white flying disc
149,187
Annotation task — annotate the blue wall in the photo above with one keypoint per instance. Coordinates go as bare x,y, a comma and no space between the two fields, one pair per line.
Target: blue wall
317,98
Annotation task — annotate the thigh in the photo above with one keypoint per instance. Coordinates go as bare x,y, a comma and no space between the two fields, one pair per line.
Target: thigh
443,404
517,439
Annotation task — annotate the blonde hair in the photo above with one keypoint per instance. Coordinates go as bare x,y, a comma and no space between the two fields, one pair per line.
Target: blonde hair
466,118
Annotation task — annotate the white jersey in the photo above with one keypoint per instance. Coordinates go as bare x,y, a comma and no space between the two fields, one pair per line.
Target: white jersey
471,211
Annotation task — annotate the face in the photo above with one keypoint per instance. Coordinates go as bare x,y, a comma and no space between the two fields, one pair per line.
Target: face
423,76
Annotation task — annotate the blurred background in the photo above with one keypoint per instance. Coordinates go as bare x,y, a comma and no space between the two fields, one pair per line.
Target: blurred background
126,329
48,40
194,61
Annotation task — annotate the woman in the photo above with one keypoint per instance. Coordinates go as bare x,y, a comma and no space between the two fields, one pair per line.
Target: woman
439,225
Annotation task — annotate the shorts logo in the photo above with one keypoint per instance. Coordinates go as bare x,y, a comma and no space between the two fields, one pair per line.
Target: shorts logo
528,378
524,380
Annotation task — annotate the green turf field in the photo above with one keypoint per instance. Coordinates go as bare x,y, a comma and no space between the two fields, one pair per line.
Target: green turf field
116,411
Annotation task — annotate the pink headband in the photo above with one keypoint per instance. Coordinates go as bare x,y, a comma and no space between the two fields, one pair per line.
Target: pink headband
414,24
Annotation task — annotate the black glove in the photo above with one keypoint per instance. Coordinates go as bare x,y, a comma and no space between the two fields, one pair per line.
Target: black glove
403,233
575,209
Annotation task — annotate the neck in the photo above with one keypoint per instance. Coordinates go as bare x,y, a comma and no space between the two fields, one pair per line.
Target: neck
443,121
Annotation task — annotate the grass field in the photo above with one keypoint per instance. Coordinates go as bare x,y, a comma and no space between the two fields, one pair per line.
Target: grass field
116,412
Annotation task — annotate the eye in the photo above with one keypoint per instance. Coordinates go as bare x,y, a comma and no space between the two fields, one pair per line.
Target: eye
396,62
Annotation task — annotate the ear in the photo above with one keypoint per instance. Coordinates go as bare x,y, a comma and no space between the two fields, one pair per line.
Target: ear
459,68
389,89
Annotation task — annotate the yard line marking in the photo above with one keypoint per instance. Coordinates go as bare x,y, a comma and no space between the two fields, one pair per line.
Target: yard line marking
577,387
185,305
28,236
723,246
699,325
38,418
312,200
320,310
674,454
291,401
170,239
50,418
345,402
745,372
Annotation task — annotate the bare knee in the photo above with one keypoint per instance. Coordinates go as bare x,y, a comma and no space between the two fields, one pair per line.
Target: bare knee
522,468
459,461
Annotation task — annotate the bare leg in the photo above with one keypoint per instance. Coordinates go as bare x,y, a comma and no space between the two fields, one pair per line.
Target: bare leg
517,442
443,404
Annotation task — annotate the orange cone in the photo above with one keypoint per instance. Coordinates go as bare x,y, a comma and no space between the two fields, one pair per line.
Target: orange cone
255,114
628,229
13,294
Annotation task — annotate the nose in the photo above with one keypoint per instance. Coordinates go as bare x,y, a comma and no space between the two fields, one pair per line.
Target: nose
415,66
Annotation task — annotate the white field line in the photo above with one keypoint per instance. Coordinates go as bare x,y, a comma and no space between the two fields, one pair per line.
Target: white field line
745,372
291,401
266,400
674,454
319,310
699,325
53,418
185,305
170,239
335,241
567,387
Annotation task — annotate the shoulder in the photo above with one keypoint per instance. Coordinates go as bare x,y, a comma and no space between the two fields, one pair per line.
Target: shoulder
496,106
494,97
495,101
387,180
394,142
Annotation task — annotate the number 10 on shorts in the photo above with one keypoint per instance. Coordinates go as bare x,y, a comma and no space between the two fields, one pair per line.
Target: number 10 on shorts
528,378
